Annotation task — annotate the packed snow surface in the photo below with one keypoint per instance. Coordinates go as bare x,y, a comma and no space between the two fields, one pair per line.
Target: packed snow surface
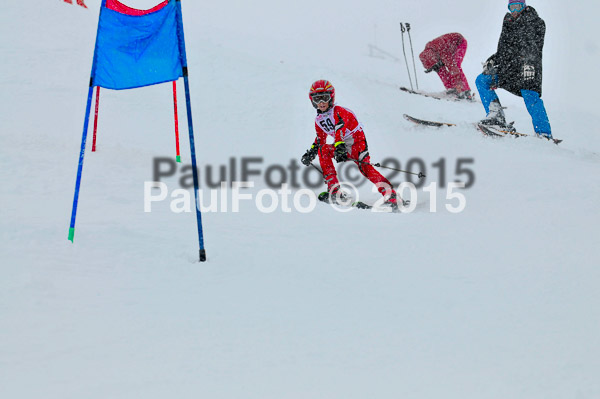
498,301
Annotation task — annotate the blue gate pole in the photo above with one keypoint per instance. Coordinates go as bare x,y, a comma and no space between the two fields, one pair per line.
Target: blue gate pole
190,127
80,166
84,135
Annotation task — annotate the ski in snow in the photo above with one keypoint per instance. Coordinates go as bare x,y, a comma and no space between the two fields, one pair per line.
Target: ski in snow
438,96
325,197
488,130
426,123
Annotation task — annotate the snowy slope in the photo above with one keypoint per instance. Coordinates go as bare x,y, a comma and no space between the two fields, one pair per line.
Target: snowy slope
498,301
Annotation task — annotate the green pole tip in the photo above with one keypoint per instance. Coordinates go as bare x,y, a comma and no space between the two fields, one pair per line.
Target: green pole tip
71,233
178,158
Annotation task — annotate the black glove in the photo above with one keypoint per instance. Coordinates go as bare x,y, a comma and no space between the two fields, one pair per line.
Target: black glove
436,67
340,152
309,155
528,72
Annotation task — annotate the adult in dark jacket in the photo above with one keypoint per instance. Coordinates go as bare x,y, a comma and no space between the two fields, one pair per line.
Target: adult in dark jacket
517,67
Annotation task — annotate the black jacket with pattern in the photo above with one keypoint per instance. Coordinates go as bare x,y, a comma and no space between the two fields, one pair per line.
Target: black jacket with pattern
521,43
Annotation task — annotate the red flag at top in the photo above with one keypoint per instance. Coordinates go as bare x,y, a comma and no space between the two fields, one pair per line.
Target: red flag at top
79,3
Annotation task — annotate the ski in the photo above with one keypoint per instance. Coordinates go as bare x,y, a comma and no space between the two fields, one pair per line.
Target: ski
325,197
426,123
499,131
361,205
488,130
482,128
438,96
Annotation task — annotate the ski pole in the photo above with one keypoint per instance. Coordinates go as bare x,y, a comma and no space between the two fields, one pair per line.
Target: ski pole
420,175
317,168
413,54
402,29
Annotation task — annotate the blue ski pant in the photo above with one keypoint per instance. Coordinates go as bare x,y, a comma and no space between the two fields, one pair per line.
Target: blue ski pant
486,85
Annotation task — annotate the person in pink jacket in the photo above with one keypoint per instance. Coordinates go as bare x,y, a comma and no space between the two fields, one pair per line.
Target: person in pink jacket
444,55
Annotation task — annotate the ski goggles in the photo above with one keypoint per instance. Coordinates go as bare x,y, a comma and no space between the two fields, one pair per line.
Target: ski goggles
320,98
516,7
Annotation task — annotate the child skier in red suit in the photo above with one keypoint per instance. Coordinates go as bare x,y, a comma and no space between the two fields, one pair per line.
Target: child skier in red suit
349,142
444,55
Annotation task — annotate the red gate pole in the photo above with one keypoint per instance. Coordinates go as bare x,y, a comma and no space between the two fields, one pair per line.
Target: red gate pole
176,121
96,118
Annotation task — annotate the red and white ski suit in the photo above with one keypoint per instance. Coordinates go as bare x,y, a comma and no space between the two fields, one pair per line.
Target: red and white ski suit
341,124
450,49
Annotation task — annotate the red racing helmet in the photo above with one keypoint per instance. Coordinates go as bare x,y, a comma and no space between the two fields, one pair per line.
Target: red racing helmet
321,87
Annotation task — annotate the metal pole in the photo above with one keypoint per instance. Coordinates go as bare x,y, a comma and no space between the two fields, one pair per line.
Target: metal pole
178,154
378,165
413,54
405,59
96,118
191,129
84,135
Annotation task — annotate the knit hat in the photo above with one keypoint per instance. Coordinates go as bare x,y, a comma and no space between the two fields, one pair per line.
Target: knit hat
517,2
